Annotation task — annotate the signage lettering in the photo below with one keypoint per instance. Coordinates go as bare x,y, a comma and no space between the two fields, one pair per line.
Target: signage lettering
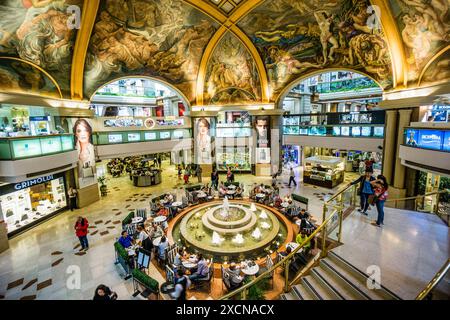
29,183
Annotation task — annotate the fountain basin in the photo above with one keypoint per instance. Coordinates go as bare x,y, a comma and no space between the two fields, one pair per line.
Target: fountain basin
223,227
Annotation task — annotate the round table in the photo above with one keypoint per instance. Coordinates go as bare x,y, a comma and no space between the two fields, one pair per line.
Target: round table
157,241
231,186
231,192
177,204
163,201
260,195
189,265
285,204
137,220
201,195
160,219
250,271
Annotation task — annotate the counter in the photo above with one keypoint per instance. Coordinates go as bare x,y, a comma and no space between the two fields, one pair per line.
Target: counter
147,180
324,171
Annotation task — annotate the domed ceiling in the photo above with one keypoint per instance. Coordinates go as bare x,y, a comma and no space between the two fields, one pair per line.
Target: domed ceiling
219,51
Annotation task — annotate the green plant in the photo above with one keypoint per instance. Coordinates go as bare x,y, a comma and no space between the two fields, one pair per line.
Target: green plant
146,280
444,184
256,292
121,251
128,218
102,180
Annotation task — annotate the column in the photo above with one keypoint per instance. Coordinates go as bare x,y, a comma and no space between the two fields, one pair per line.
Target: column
275,143
400,170
4,244
389,145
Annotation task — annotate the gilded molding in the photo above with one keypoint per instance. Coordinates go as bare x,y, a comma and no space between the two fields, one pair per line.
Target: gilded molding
425,68
88,17
395,44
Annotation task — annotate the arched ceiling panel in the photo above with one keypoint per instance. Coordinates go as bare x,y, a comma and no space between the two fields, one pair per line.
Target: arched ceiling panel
295,37
231,75
425,30
22,77
40,31
163,39
438,70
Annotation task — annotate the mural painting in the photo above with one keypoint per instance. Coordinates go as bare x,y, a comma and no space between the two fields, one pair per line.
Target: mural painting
163,39
21,77
438,71
425,29
231,75
38,31
295,37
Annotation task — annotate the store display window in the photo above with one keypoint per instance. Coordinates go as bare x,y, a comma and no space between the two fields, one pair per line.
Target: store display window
115,138
132,137
25,203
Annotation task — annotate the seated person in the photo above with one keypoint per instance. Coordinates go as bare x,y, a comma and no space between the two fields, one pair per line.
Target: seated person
163,211
286,252
277,201
235,276
202,269
304,215
179,258
222,190
238,192
301,237
156,231
125,240
162,248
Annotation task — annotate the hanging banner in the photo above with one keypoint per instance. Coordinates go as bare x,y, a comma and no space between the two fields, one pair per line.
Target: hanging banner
203,140
262,127
87,173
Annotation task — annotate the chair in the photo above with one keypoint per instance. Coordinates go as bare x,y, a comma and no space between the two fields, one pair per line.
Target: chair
225,278
206,281
170,275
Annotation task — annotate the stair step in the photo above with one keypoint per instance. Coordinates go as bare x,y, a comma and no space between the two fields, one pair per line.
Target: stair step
288,296
361,278
302,292
335,294
338,284
349,275
322,292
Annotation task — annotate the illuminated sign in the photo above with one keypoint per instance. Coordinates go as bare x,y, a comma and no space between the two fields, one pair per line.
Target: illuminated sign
29,183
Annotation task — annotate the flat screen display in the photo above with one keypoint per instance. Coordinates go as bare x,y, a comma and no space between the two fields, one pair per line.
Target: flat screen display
356,131
430,139
134,137
378,131
178,134
303,131
317,131
164,135
150,136
365,131
114,138
336,131
446,141
345,131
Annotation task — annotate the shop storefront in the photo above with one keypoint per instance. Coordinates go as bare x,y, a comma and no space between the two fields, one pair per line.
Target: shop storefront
28,203
323,171
291,156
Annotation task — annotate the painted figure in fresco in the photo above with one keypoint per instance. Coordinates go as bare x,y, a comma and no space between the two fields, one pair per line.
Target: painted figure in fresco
433,13
326,36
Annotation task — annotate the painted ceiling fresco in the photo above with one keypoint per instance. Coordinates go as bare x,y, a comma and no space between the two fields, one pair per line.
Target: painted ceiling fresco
21,77
438,70
38,31
425,30
231,74
163,39
296,37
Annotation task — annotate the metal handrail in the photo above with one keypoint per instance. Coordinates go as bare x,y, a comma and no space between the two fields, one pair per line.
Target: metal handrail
284,261
419,196
435,281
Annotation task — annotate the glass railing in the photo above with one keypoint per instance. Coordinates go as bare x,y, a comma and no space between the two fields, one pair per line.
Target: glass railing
34,146
118,137
423,138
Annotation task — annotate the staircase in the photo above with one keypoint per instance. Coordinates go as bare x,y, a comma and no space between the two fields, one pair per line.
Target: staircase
336,279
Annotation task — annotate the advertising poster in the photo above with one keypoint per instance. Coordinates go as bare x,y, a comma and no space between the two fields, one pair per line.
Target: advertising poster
446,142
87,173
430,139
203,136
411,138
262,127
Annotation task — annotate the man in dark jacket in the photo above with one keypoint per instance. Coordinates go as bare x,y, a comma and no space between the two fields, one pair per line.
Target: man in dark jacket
365,190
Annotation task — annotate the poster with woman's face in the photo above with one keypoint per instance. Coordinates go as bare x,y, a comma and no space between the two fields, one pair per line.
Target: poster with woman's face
87,173
202,134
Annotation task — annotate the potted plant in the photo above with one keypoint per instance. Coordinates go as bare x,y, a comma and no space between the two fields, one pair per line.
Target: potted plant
103,187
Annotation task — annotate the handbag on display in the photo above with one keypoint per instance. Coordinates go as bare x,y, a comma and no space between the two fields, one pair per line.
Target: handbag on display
87,172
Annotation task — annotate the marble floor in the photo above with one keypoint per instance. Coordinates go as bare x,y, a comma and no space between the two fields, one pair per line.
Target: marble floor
42,263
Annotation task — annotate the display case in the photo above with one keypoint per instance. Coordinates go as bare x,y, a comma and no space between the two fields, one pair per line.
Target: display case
324,171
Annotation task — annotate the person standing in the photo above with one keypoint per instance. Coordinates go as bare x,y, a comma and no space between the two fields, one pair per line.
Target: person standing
182,283
199,173
186,175
179,172
381,194
104,293
72,198
229,173
292,177
215,179
365,190
81,230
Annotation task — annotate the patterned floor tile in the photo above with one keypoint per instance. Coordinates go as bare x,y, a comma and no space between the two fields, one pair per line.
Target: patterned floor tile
44,284
94,233
54,264
56,253
33,297
104,233
14,284
30,283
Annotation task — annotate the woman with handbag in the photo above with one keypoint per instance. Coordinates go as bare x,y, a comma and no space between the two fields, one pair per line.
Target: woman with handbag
365,190
381,186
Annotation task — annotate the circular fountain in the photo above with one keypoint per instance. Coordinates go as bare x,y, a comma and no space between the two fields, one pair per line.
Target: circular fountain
230,231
